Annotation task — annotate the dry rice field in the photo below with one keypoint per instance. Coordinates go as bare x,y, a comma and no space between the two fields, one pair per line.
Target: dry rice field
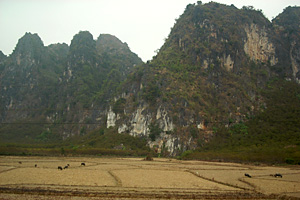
134,178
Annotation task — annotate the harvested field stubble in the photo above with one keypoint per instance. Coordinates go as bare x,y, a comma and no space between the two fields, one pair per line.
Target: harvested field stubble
123,178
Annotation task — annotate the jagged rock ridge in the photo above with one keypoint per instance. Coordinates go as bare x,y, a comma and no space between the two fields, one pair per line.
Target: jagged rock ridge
59,86
208,74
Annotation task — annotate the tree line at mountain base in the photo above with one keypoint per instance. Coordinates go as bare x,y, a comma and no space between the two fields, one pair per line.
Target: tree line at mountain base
271,137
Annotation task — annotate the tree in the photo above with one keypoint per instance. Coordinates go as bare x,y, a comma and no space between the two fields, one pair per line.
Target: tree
154,131
151,92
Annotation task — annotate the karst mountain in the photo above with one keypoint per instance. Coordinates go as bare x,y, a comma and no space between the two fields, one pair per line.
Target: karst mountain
224,76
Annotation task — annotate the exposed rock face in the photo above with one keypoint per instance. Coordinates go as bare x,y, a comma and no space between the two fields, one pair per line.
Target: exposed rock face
220,60
140,122
258,46
58,83
110,47
122,128
110,44
204,74
83,49
210,52
166,142
164,120
295,59
228,62
111,118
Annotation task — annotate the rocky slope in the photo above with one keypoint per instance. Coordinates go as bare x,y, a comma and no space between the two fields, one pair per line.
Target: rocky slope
53,89
210,73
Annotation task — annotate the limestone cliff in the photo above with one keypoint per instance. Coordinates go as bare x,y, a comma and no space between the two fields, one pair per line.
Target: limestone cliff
207,75
60,89
258,46
210,74
287,31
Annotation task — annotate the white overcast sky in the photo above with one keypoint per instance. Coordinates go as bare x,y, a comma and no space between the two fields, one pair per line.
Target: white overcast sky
142,24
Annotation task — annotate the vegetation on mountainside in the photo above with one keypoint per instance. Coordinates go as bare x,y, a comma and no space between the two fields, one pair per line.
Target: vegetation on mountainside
218,99
50,87
273,136
188,74
287,20
207,32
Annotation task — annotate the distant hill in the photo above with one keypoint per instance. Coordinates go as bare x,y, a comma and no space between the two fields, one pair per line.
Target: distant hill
57,88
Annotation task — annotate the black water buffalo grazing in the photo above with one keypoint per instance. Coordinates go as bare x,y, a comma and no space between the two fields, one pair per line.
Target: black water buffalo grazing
60,168
20,162
278,175
66,167
83,164
35,165
248,175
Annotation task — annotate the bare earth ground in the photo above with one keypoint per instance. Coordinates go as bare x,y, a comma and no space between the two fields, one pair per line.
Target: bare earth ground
133,178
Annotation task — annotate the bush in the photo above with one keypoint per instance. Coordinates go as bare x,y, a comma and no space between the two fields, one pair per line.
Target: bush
119,106
290,161
151,92
149,157
186,154
154,131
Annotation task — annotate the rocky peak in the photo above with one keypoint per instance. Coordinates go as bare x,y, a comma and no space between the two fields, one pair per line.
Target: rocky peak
210,32
59,49
110,44
83,48
209,74
110,47
58,52
286,26
2,60
288,20
2,56
29,42
29,50
210,69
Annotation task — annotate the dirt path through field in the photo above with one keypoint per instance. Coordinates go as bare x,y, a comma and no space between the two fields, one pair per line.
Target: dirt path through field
126,178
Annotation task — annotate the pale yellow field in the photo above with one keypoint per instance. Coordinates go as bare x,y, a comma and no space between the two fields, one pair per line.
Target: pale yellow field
126,178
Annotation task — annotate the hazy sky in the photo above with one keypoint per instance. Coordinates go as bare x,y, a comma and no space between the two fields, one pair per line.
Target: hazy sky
142,24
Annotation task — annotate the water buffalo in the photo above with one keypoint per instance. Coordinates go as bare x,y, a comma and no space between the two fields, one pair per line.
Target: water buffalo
60,168
278,175
83,164
248,175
